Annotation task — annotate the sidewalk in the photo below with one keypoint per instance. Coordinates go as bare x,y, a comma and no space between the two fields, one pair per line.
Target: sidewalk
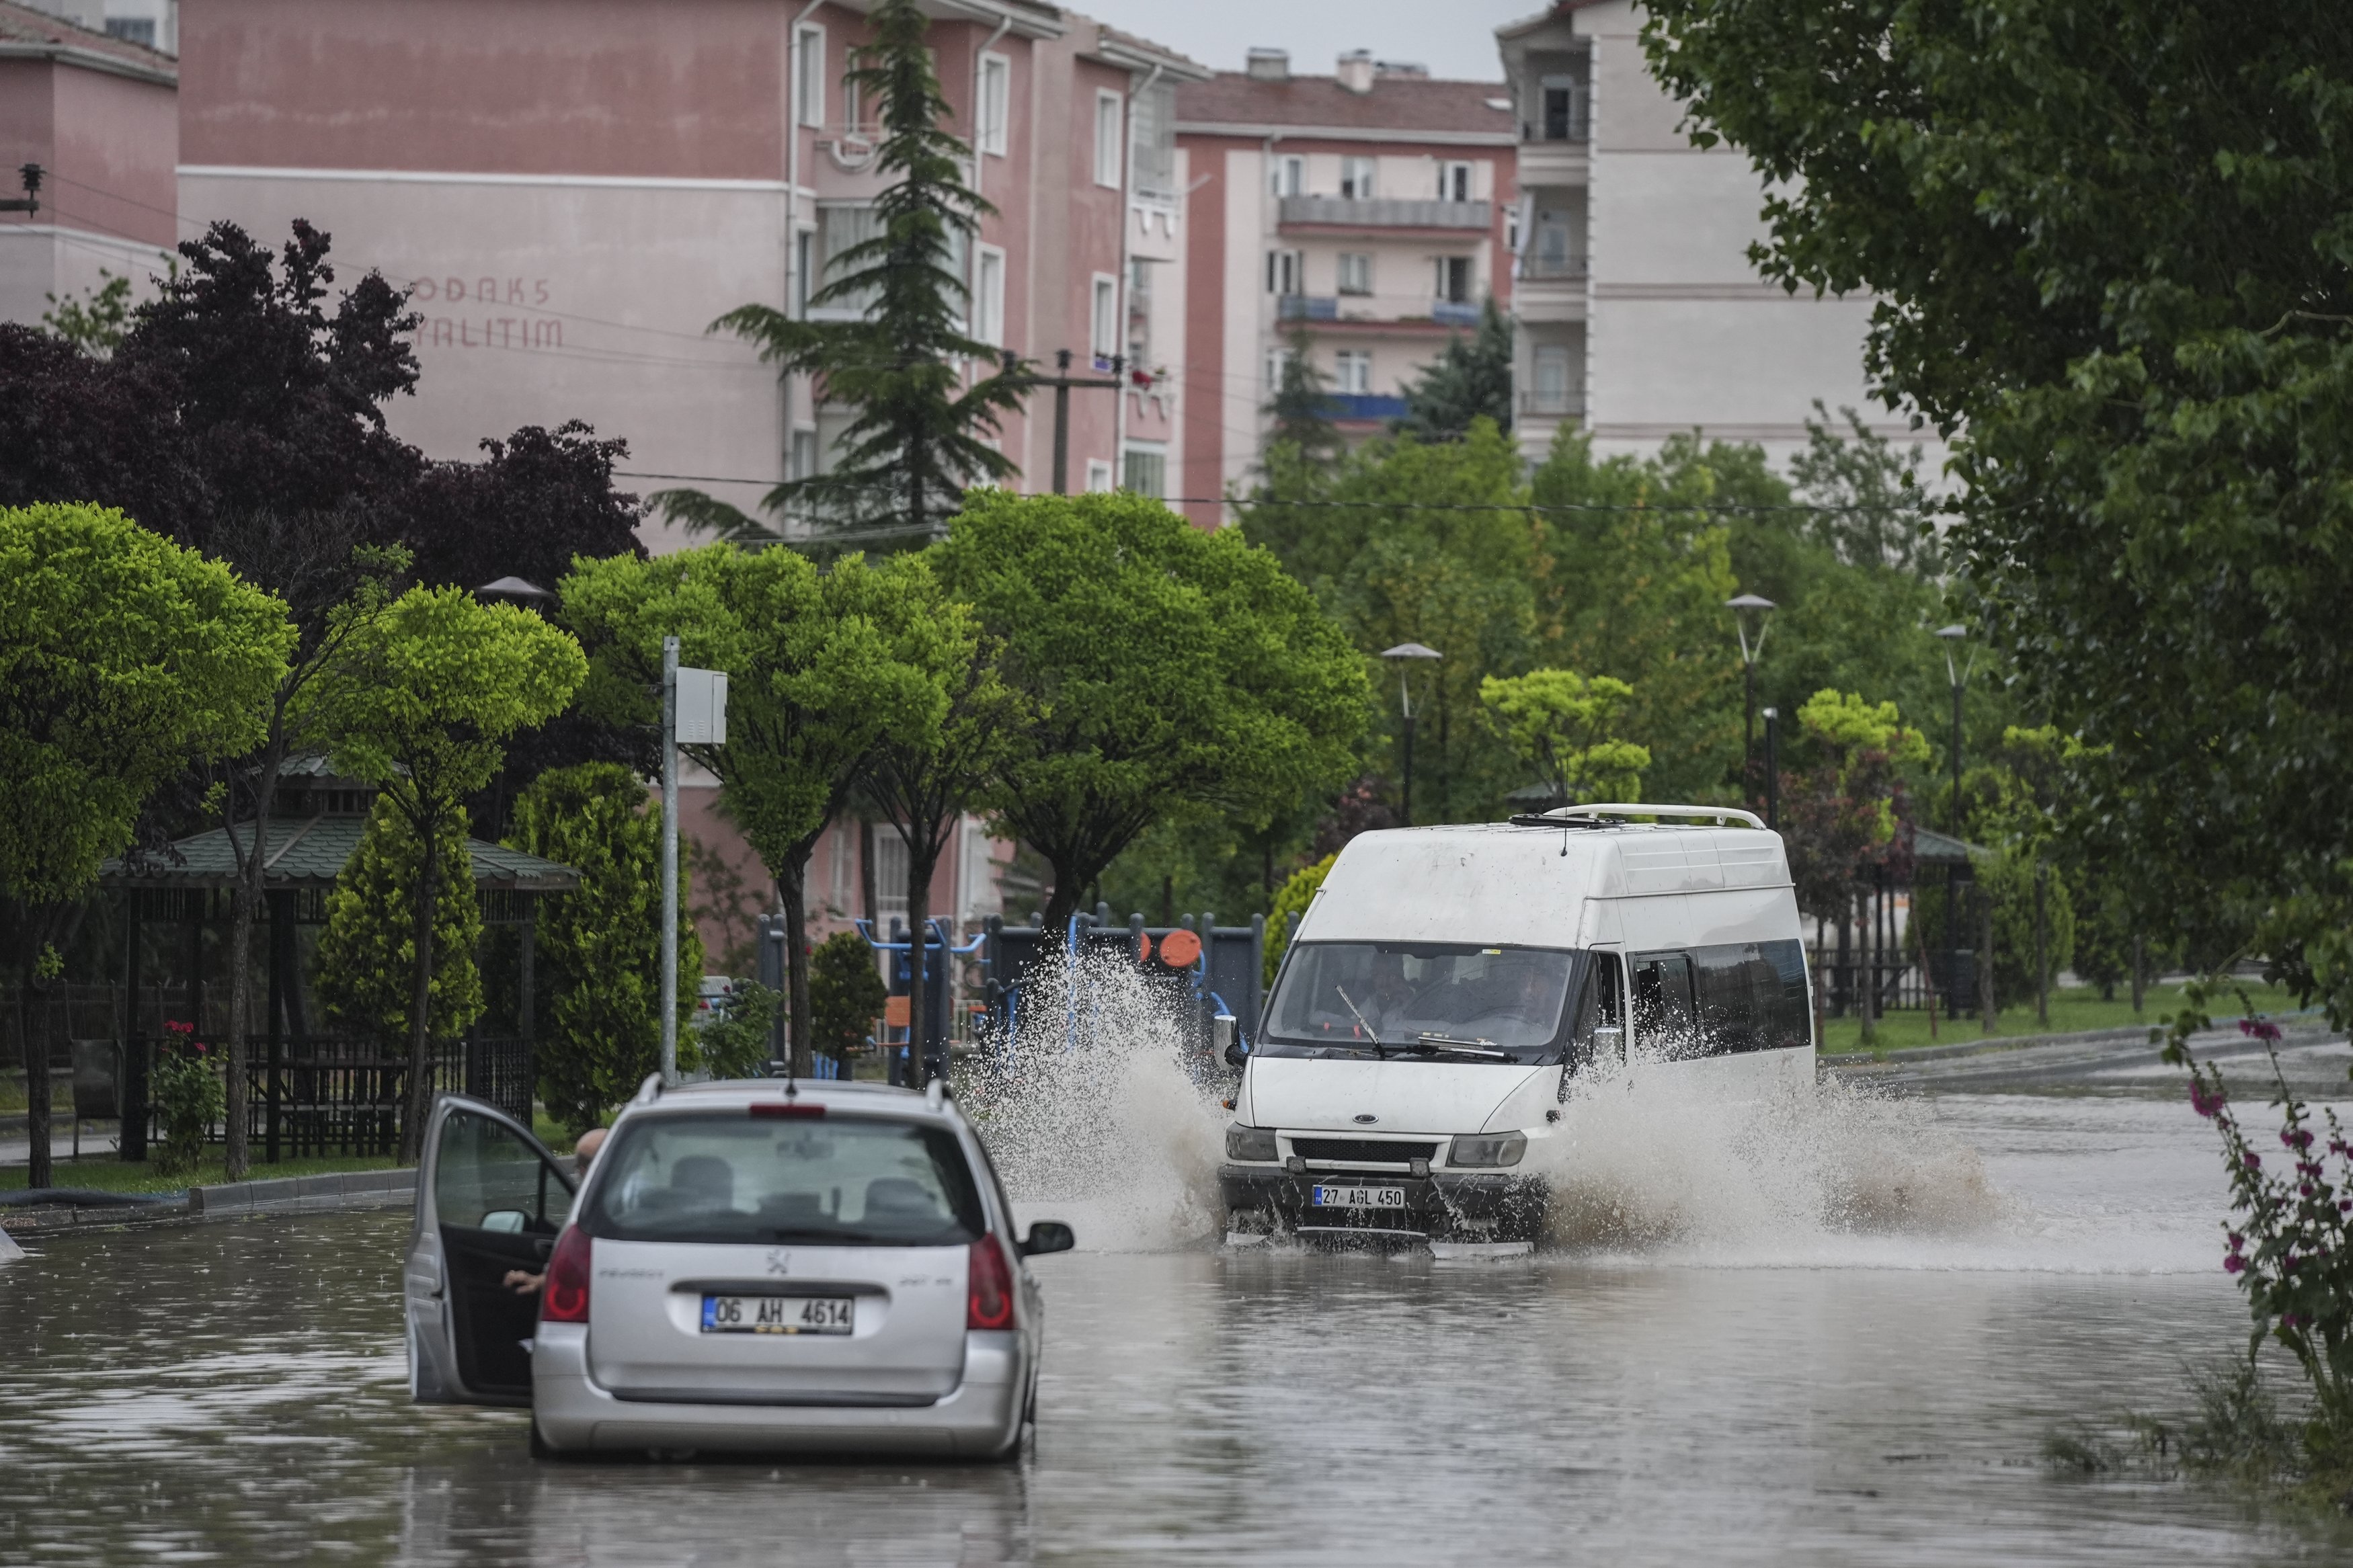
54,1210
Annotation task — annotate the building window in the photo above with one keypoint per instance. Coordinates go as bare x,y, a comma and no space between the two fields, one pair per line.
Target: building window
1284,270
1104,327
1139,313
1287,176
839,228
853,109
1108,107
800,461
1146,472
988,298
1454,279
1098,476
889,874
1277,360
1151,136
1352,372
1552,379
1563,120
1454,181
1355,272
1357,178
808,88
132,30
996,102
804,269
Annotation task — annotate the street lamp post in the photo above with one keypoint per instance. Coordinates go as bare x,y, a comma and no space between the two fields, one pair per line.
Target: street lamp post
1748,613
1956,671
1773,769
1402,655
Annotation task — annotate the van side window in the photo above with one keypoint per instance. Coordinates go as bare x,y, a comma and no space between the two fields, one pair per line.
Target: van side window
1663,1019
1751,996
1601,1004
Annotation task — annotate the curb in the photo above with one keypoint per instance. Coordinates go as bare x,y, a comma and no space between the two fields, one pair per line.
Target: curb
2138,1032
302,1195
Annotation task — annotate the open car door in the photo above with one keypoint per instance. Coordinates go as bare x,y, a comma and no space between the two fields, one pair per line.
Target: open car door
490,1199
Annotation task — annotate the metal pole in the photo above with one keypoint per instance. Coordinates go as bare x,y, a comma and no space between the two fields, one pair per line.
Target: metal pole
1408,770
1773,769
2042,943
1956,759
1748,732
669,863
1062,422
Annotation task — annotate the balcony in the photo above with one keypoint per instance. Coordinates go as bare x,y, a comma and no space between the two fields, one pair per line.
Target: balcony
1363,407
1555,267
1545,404
1381,213
1307,307
1326,307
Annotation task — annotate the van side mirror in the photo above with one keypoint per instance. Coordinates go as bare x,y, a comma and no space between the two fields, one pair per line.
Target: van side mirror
1225,1034
1049,1236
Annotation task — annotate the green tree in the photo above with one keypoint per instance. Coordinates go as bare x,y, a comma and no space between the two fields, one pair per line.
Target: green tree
1301,440
847,993
1469,380
1166,670
122,658
902,464
922,776
1565,726
2106,238
599,948
367,953
1290,903
95,321
423,695
818,677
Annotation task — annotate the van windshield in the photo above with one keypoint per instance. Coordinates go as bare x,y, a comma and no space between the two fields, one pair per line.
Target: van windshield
1456,1001
727,1176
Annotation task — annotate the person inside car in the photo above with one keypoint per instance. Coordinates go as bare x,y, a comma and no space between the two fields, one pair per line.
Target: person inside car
522,1281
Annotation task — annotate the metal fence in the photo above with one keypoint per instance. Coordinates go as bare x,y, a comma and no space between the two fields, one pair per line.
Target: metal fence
1895,981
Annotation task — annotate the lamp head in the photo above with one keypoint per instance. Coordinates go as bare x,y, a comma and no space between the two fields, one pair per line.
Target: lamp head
1749,611
1411,650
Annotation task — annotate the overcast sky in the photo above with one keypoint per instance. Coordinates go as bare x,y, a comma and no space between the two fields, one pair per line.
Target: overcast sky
1453,37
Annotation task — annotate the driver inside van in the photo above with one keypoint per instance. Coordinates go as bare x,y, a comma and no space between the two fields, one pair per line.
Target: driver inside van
1391,993
1522,1001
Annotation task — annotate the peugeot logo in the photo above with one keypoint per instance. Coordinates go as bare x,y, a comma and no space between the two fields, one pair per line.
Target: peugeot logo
1366,1121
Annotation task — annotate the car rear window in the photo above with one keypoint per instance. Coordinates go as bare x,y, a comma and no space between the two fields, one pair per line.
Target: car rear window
838,1181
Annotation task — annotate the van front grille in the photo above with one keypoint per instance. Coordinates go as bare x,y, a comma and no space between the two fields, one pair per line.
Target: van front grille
1361,1150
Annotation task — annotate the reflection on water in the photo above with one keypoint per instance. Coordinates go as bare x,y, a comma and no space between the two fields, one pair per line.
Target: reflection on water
235,1391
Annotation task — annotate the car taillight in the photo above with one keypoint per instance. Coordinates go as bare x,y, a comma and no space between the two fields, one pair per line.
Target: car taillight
563,1298
991,1282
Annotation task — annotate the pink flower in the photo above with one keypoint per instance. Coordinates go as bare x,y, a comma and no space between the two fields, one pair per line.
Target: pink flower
2232,1264
2259,1029
2254,1161
2204,1098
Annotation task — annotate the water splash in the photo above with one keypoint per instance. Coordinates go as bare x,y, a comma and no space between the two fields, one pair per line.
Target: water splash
1651,1160
1092,1115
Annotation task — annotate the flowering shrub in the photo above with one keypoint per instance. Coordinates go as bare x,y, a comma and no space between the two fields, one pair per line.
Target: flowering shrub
189,1097
2290,1240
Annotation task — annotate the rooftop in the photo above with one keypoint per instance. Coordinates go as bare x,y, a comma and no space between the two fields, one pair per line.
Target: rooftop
1398,105
25,32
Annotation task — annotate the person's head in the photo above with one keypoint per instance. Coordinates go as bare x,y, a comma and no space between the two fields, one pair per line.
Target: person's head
585,1149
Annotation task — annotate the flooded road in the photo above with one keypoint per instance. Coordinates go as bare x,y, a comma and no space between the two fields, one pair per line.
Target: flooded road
236,1393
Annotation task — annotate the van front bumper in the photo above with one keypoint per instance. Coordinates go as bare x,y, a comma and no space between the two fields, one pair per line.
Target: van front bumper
1445,1206
979,1418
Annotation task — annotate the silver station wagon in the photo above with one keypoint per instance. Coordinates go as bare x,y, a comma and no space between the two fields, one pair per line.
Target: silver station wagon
820,1267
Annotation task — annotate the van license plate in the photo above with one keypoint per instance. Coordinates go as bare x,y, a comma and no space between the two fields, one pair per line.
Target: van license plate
779,1314
1336,1197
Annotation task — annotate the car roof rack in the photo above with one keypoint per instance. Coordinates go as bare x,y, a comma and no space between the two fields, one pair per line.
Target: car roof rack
1609,814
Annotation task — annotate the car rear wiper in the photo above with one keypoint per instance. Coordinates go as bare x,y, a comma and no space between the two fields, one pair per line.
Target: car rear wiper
1434,1042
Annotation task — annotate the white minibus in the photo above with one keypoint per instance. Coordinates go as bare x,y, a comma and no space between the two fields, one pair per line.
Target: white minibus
1450,989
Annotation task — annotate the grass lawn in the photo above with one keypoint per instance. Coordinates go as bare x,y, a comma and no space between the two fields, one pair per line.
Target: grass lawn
2072,1010
109,1174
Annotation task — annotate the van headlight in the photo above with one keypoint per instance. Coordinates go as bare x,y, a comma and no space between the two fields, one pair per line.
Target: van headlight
1484,1149
1252,1143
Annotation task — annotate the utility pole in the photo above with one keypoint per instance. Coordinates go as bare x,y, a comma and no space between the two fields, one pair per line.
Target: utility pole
1062,384
30,202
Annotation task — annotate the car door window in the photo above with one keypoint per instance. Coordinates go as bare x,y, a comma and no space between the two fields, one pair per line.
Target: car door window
489,1177
1663,1023
1601,1006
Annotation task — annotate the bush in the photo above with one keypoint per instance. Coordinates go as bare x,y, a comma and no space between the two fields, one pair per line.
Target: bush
368,955
735,1044
1292,899
189,1097
846,993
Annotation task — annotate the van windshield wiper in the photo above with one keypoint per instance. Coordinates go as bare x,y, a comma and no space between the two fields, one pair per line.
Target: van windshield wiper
1371,1034
1483,1048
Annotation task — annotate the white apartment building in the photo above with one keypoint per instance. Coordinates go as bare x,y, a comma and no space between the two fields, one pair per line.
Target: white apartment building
1639,313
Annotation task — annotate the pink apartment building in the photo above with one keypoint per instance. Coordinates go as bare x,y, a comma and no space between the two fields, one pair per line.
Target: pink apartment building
575,190
1373,210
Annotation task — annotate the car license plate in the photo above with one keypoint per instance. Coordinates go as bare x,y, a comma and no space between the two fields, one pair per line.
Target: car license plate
779,1314
1340,1197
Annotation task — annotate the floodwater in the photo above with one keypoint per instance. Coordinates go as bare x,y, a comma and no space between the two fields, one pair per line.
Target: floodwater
1698,1389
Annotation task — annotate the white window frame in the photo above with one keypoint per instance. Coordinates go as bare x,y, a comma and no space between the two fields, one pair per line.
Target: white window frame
799,465
989,296
1470,279
1111,137
1099,481
1286,272
996,116
1458,173
1359,177
806,262
1549,358
808,92
1278,358
1145,450
1363,282
1286,175
1102,318
1352,371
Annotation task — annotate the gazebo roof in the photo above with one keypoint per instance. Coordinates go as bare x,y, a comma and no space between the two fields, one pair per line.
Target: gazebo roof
312,852
1931,848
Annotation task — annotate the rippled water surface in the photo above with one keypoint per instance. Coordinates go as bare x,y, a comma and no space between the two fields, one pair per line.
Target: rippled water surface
1703,1395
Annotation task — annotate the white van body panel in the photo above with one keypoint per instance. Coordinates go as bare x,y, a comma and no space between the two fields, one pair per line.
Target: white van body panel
1401,1095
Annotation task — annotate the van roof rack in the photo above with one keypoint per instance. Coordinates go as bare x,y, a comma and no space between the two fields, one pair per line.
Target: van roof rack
1605,814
